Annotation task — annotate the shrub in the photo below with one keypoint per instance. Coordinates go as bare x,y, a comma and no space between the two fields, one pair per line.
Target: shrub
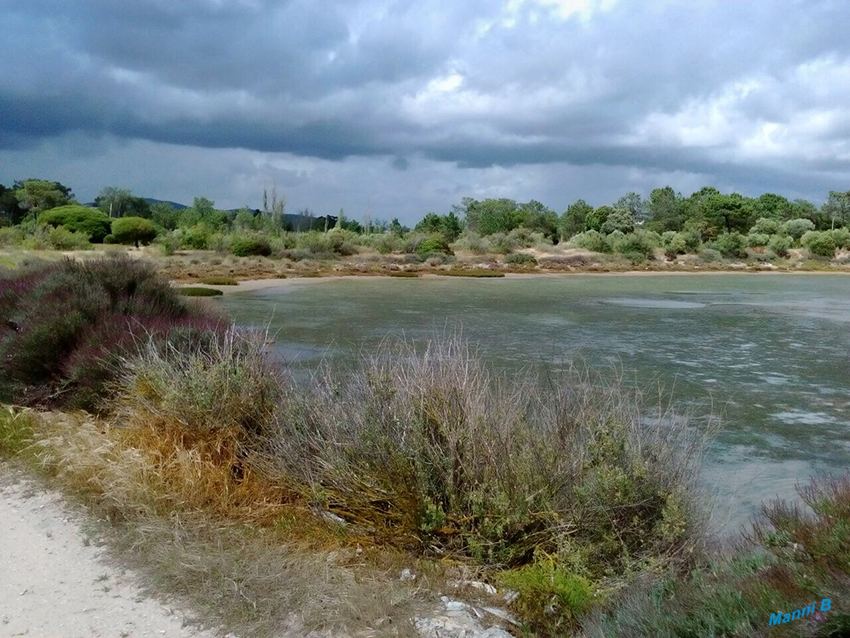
755,240
11,236
710,256
250,246
133,230
780,244
198,291
796,228
841,236
473,242
80,219
766,226
591,240
621,219
502,243
731,245
196,238
521,259
819,243
63,324
636,243
429,450
472,272
434,244
674,244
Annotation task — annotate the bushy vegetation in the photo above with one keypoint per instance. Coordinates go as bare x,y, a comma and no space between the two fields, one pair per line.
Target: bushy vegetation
133,230
820,244
198,291
80,219
63,323
247,246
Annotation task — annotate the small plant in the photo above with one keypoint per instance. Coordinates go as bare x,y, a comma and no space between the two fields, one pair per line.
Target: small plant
796,228
766,226
408,274
841,236
636,244
433,245
591,240
197,291
710,256
757,240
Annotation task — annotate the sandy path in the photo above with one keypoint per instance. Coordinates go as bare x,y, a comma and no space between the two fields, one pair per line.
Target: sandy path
54,584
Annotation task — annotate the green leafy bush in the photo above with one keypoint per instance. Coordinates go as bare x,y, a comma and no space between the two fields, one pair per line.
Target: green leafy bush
435,244
820,243
841,236
637,243
473,242
591,240
11,236
503,244
196,238
248,246
521,259
780,244
80,219
133,230
756,240
766,226
220,281
674,244
731,245
710,256
796,228
621,219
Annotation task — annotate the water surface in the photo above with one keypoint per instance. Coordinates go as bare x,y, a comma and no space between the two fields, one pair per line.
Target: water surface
770,354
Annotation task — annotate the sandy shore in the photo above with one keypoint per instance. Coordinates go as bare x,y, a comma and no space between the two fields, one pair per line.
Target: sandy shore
55,583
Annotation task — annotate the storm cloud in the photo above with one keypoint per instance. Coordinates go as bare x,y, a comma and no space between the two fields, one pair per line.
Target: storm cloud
398,107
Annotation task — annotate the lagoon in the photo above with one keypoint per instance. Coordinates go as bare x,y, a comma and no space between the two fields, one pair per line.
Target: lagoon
769,355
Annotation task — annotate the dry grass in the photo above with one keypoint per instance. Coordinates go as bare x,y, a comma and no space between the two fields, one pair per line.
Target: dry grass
235,549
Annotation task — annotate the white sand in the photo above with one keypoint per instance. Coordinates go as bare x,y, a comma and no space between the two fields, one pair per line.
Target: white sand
54,584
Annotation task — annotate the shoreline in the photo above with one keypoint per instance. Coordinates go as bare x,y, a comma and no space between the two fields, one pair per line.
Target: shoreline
251,285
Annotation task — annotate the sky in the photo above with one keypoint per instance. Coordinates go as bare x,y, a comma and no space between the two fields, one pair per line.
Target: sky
394,108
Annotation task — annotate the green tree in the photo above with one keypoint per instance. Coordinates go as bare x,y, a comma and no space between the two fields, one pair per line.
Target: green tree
837,208
574,219
36,195
597,217
164,215
492,216
76,218
726,213
396,228
120,202
133,230
666,209
772,206
620,219
10,212
431,223
635,204
538,218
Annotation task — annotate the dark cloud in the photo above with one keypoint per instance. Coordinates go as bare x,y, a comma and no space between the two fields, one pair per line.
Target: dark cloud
748,95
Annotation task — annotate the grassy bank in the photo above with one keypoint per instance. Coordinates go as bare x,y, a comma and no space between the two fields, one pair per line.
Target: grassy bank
270,503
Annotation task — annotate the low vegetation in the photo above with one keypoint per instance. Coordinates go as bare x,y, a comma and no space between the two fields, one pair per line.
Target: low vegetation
198,291
278,502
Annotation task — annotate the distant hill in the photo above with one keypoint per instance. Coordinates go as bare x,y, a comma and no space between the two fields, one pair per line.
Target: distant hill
174,205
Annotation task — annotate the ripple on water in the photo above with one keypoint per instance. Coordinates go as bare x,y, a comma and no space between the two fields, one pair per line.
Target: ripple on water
804,417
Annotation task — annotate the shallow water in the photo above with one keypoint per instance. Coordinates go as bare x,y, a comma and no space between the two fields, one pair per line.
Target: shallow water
769,354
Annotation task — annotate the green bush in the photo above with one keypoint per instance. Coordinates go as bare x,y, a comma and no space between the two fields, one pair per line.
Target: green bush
841,236
819,243
796,228
637,244
521,259
433,245
11,236
502,243
621,219
80,219
196,238
480,273
731,245
133,230
710,256
756,240
250,246
780,244
591,240
674,244
766,226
